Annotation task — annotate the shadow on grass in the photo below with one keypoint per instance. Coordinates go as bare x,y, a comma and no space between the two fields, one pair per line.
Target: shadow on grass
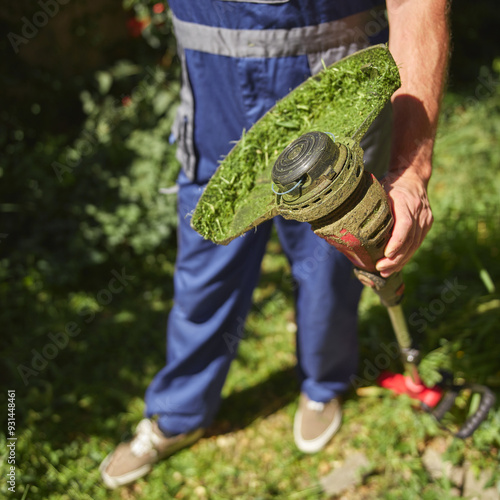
78,384
241,408
95,377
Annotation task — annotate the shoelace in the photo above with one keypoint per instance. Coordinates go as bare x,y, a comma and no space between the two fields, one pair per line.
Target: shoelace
315,405
145,439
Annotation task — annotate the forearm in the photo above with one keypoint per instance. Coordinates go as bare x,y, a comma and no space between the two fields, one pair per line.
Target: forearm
419,43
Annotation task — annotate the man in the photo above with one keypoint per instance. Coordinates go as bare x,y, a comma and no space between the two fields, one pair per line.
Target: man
227,85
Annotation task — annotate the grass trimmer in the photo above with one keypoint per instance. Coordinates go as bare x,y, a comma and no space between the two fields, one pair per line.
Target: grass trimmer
323,182
320,179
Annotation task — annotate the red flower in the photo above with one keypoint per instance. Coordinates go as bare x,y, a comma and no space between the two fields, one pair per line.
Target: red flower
126,100
158,8
136,26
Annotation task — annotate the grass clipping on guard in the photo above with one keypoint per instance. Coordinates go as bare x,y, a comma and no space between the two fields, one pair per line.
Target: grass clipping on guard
342,99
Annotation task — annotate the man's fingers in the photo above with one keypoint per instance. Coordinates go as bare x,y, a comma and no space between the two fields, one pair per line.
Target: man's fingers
407,195
407,237
401,240
403,251
402,235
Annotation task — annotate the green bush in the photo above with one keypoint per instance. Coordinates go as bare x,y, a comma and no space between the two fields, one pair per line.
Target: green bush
84,157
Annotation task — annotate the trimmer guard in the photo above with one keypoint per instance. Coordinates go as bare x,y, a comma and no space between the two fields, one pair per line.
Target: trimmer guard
440,399
343,99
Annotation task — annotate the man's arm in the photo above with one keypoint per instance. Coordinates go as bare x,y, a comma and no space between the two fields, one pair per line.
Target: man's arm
419,43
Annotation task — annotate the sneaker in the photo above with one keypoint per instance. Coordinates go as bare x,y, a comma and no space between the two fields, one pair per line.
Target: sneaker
134,459
316,423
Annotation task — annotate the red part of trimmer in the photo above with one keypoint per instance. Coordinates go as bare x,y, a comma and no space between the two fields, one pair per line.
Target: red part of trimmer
403,384
439,400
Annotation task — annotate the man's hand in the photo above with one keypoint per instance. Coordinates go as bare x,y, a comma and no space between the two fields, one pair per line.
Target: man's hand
407,195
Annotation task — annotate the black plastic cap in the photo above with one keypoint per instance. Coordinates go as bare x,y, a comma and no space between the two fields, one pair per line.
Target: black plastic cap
310,155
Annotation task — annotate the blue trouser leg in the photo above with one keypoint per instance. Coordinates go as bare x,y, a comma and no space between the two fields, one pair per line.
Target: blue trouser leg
213,290
327,296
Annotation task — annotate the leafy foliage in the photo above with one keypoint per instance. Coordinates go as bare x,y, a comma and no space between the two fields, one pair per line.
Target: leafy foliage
89,193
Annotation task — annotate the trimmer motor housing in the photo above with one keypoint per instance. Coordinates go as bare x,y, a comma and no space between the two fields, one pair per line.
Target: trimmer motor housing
323,182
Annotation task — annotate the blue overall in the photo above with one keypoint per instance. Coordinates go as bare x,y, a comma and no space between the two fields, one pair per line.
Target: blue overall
225,90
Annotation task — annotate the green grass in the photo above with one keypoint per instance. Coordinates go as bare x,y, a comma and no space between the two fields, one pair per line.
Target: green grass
89,396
